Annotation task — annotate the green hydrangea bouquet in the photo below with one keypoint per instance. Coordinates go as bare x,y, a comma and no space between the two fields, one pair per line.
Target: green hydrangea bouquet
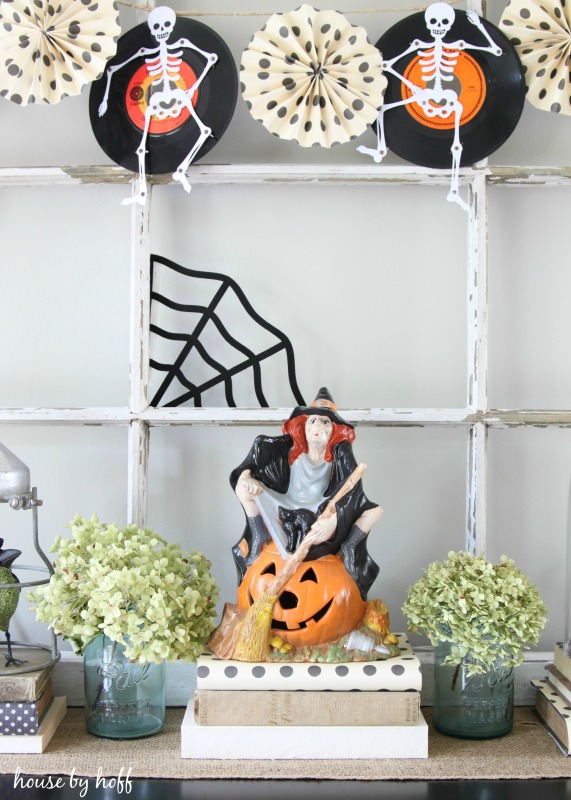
489,612
131,585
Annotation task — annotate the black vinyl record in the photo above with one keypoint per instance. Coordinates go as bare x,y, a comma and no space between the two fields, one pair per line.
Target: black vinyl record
120,129
490,88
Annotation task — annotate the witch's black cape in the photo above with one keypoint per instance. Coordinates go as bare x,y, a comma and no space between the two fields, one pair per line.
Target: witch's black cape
268,462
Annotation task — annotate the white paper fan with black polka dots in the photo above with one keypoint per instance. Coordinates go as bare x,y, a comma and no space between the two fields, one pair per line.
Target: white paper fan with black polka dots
312,77
50,50
541,35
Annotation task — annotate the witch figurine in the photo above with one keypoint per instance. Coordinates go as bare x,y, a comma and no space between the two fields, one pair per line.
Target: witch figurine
304,570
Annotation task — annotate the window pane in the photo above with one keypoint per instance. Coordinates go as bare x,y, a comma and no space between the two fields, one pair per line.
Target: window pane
64,302
529,479
529,289
76,470
347,273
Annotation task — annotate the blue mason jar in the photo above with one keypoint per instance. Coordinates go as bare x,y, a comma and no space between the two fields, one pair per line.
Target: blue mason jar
471,706
123,699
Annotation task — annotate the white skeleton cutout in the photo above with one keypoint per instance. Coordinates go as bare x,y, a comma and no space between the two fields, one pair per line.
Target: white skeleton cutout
438,62
166,99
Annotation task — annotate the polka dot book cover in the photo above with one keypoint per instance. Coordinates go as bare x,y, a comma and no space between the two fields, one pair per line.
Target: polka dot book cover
401,673
23,717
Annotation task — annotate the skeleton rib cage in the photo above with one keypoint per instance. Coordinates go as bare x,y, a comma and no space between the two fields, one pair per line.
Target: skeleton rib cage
169,70
439,68
191,343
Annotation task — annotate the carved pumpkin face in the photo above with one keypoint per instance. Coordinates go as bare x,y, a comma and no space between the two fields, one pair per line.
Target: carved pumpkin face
320,603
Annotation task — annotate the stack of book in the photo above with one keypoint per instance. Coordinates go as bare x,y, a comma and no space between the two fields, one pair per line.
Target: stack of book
553,699
319,710
29,713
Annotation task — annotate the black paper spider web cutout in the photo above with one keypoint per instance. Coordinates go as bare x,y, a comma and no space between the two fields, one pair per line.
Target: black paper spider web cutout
191,342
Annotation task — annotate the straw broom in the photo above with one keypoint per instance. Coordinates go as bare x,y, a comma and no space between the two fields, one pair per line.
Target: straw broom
253,630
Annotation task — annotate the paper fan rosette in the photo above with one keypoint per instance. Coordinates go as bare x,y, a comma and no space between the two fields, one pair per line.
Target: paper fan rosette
541,35
49,51
312,77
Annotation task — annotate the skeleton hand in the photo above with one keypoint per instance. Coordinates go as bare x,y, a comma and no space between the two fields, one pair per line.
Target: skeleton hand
419,93
103,108
474,19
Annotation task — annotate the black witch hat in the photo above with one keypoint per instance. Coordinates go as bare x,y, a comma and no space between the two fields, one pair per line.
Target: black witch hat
324,405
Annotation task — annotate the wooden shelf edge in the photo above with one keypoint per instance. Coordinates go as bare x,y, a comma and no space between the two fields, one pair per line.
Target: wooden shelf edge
217,174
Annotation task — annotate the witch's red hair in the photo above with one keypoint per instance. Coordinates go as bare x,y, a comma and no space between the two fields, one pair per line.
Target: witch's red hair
296,429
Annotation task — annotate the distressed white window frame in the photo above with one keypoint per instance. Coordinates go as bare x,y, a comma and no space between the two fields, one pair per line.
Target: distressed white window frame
476,417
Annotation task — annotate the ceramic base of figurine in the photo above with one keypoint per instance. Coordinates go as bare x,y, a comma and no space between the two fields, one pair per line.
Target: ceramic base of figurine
370,640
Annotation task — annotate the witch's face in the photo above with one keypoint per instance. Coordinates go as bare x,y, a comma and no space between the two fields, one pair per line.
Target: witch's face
318,429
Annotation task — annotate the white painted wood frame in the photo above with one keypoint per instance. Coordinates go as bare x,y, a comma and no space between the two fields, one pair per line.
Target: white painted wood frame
476,417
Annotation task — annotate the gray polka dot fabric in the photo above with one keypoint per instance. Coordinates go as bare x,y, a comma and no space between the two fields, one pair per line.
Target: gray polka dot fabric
312,77
18,719
541,35
50,50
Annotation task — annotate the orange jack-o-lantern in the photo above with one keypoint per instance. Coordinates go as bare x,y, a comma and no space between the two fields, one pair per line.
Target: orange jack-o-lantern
320,603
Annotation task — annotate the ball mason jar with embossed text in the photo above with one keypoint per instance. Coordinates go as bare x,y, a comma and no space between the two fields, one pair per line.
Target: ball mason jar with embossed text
471,706
123,699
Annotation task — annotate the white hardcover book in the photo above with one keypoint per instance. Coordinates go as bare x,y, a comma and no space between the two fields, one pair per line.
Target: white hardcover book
297,742
398,674
37,743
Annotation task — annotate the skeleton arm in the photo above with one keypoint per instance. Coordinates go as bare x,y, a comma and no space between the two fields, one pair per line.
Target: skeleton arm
492,47
211,59
387,64
143,51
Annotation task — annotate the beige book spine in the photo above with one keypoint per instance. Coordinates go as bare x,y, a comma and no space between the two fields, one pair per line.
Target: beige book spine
25,687
559,681
562,662
552,719
212,707
45,700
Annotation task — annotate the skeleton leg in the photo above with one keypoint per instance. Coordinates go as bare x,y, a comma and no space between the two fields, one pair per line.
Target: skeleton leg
454,193
205,132
380,151
140,195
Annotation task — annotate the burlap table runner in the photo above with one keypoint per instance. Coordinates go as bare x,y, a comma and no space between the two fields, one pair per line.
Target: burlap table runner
527,752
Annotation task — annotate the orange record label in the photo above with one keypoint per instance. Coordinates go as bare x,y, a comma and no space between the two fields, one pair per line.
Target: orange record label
139,91
467,83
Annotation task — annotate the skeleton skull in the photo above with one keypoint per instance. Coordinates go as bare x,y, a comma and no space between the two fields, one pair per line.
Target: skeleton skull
161,22
439,18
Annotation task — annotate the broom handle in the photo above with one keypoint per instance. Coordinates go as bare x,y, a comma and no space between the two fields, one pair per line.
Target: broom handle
295,559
